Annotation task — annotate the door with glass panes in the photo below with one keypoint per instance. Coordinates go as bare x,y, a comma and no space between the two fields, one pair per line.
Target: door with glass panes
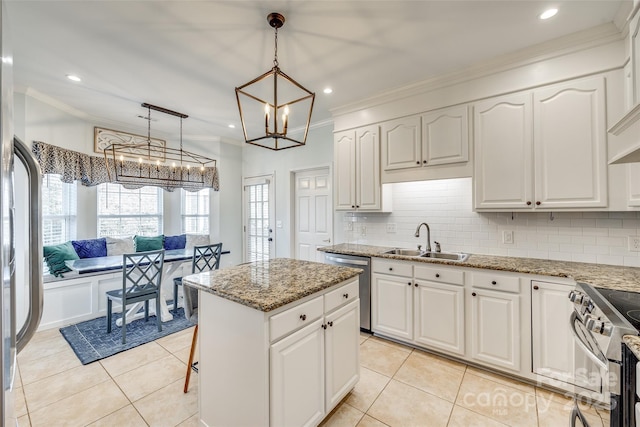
259,213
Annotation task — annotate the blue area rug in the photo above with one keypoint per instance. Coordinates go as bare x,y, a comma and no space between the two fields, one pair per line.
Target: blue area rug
90,340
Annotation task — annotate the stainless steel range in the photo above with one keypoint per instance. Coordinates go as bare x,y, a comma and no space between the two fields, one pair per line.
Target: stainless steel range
598,327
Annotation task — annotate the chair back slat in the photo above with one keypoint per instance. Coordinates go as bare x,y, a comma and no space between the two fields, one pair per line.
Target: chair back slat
142,272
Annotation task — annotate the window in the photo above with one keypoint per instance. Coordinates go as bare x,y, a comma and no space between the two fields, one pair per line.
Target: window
123,212
195,211
59,202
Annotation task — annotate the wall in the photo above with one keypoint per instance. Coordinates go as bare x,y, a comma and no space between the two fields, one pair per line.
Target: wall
39,121
446,205
317,152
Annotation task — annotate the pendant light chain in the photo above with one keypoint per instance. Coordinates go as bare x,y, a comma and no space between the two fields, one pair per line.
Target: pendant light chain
275,53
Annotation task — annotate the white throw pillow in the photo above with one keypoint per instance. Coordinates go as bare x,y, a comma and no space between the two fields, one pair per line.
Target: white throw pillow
119,246
195,240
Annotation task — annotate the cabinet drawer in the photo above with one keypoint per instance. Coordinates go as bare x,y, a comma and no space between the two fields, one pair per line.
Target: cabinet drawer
440,274
295,317
495,282
341,296
392,267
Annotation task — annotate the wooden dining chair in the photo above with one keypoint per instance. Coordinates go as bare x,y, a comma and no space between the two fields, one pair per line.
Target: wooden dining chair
141,281
206,257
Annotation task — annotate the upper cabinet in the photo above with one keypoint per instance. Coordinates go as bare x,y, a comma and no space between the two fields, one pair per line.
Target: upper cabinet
634,44
543,149
357,170
438,137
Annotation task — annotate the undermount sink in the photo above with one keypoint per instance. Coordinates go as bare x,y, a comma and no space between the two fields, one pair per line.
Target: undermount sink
450,256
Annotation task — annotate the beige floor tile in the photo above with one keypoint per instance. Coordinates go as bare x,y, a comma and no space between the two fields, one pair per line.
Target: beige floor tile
556,414
18,380
501,379
392,344
183,354
543,397
141,381
432,374
45,335
177,341
367,389
24,421
402,405
605,415
344,415
461,417
127,416
194,421
129,360
381,358
169,406
500,402
364,336
82,408
42,348
60,386
368,421
20,402
44,367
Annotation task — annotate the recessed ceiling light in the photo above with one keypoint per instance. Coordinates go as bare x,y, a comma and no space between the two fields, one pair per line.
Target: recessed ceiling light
549,13
232,126
74,78
327,90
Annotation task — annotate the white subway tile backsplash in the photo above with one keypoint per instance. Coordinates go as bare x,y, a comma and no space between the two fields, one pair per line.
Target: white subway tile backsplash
446,205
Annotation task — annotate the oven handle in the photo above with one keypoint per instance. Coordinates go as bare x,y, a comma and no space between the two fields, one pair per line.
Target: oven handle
590,354
576,414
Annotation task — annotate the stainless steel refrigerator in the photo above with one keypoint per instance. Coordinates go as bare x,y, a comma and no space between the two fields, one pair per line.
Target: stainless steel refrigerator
15,337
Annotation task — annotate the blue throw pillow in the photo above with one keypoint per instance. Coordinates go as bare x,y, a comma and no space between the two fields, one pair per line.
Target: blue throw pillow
175,242
56,256
90,248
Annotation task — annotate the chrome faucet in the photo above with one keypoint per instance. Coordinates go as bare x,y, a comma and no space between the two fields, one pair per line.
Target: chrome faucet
428,248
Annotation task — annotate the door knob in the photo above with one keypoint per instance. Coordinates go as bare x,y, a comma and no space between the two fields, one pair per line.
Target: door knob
327,240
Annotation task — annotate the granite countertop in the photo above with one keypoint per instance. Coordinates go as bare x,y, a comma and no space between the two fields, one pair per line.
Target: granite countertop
599,275
267,285
633,342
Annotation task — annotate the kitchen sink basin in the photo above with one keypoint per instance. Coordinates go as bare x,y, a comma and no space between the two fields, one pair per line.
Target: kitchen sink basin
405,252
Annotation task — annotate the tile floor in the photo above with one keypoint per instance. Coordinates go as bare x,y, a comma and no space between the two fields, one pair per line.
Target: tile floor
399,386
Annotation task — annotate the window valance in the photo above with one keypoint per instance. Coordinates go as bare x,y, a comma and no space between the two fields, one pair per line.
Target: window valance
92,170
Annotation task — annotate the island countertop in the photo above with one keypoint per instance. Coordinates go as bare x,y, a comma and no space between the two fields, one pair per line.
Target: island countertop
599,275
268,285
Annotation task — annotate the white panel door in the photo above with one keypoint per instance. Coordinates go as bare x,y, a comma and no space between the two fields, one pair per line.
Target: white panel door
445,136
392,306
313,213
368,192
495,328
401,143
344,149
439,316
503,152
297,378
570,145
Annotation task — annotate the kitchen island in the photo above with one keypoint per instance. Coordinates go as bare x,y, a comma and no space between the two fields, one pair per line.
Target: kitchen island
279,342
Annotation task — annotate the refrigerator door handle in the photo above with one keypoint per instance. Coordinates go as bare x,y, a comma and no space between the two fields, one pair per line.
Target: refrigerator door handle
23,152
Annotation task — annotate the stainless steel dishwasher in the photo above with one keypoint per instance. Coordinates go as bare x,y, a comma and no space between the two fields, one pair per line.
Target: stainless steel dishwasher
363,263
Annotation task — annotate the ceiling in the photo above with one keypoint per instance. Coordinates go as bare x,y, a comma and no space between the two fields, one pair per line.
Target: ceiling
189,56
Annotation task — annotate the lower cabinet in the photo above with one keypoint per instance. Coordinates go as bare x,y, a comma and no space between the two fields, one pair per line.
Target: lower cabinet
392,306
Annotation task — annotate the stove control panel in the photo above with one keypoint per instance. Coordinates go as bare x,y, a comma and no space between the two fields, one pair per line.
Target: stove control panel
598,326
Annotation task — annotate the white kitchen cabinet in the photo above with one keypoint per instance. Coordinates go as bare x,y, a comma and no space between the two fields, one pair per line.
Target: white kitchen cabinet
633,184
634,44
542,149
439,316
555,352
392,306
435,138
401,143
357,170
298,377
495,328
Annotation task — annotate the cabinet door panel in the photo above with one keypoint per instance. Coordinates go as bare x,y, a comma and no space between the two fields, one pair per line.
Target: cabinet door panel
401,143
342,339
634,38
297,378
392,306
570,145
445,136
495,323
368,168
345,170
503,152
439,320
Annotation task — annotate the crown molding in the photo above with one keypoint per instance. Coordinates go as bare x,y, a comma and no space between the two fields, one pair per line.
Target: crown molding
582,40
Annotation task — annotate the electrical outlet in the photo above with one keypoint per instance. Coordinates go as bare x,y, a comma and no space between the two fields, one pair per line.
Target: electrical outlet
634,243
348,226
507,237
363,231
391,227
